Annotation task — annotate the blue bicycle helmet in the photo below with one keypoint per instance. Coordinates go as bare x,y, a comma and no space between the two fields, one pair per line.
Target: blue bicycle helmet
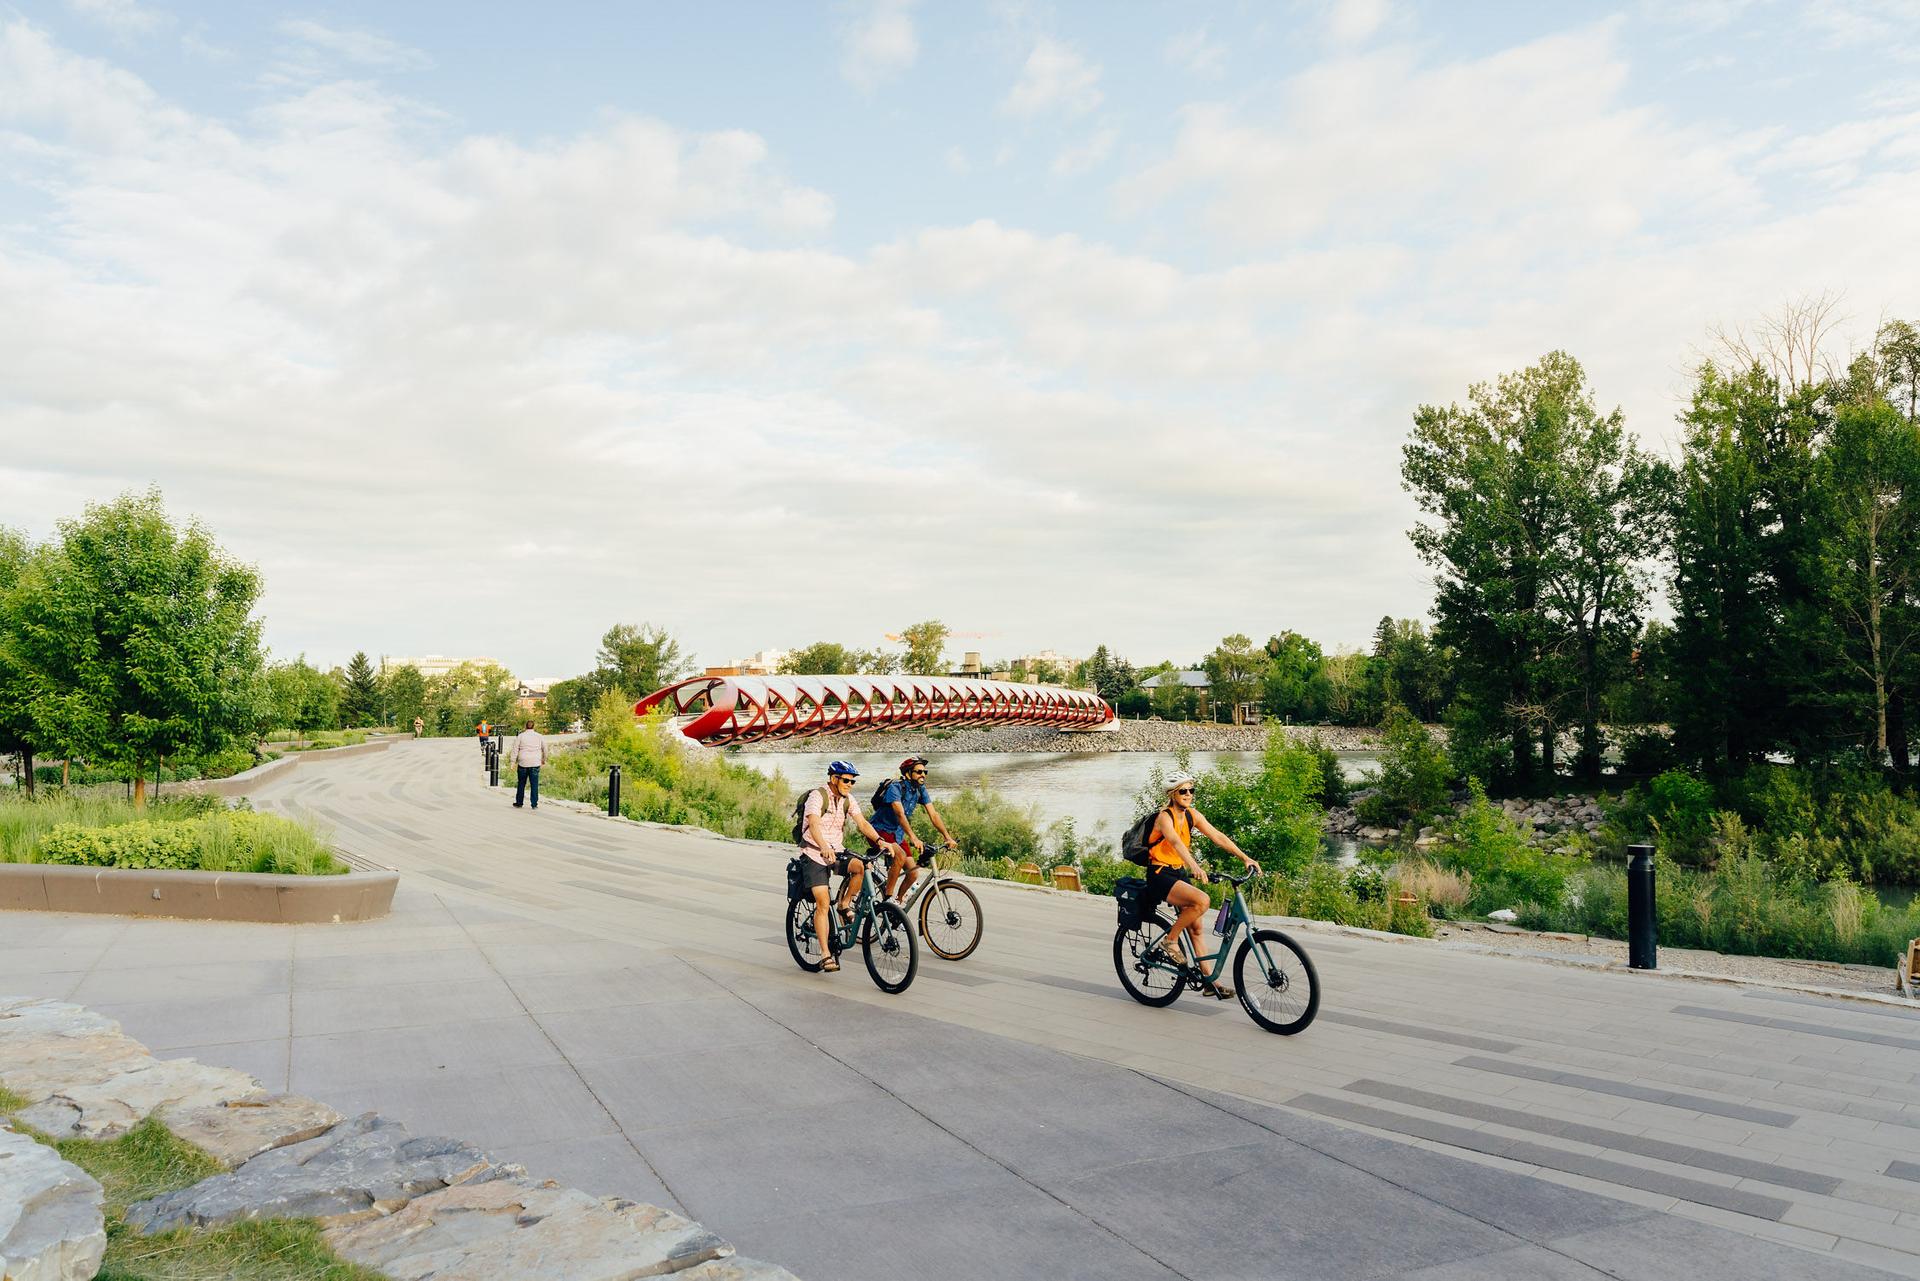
842,767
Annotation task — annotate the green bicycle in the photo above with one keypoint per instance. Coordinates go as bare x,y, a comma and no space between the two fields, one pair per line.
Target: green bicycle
886,938
1277,984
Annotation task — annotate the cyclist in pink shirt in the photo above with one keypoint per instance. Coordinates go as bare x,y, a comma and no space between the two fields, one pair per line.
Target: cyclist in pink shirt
823,841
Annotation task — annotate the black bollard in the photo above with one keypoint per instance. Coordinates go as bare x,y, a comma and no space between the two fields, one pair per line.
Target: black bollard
1643,945
613,791
493,768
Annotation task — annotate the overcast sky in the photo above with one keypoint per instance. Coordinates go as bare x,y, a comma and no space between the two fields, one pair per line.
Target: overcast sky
481,327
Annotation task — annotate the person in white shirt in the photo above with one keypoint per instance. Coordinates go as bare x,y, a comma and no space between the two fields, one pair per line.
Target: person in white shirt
529,753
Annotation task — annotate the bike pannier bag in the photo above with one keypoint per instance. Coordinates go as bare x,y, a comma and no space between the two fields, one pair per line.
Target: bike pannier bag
1127,893
796,879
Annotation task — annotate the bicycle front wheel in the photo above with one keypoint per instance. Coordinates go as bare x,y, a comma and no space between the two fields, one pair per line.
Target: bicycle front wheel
1149,984
1278,986
892,952
951,920
802,941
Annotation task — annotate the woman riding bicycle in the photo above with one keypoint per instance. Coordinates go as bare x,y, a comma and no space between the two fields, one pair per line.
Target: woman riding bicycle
1172,870
823,841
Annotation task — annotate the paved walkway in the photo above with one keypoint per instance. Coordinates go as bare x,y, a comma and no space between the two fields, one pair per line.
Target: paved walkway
613,1006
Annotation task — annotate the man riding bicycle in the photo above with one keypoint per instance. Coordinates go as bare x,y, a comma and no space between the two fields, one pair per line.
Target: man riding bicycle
823,842
893,807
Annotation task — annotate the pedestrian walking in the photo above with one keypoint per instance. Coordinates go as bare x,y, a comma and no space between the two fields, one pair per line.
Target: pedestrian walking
529,754
419,727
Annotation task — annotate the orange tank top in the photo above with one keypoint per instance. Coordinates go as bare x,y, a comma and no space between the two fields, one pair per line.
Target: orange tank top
1162,853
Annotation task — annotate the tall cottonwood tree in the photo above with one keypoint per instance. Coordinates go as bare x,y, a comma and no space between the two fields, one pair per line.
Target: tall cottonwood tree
141,638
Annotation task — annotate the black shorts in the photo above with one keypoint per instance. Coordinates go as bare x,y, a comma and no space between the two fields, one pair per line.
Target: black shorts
1160,882
813,875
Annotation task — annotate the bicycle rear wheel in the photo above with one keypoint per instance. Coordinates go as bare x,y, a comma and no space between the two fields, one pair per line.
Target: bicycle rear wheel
951,920
1147,984
891,950
802,941
1278,986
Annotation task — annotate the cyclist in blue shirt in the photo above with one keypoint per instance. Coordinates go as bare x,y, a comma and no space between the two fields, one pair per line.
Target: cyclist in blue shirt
893,807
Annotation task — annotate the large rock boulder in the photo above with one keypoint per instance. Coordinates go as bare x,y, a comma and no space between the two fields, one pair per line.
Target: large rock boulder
238,1130
109,1108
362,1168
51,1228
507,1228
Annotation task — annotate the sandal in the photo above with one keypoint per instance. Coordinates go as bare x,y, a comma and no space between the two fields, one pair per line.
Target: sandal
831,965
1222,990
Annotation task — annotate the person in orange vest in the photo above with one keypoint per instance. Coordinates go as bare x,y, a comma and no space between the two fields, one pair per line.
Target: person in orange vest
485,731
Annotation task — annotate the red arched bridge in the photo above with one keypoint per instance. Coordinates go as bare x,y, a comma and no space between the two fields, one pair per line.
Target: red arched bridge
747,709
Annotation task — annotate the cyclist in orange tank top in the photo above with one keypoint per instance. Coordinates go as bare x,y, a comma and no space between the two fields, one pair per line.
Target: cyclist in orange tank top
1172,870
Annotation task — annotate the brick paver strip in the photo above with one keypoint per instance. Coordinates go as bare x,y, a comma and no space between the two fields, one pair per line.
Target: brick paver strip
1626,1090
1795,1025
1417,1032
1638,1144
1910,1016
1632,1176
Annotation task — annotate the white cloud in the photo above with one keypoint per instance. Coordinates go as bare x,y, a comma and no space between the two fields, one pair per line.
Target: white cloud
1354,21
122,17
362,48
1055,77
1195,52
347,334
880,44
1090,154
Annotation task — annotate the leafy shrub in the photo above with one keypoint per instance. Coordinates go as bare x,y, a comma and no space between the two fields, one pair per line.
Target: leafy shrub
237,841
1414,776
1647,752
1334,788
1065,844
1680,810
664,779
1507,870
1744,906
987,825
1322,893
1367,884
1269,811
1098,875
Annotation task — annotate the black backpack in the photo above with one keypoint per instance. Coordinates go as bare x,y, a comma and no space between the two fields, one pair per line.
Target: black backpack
1139,838
800,812
881,806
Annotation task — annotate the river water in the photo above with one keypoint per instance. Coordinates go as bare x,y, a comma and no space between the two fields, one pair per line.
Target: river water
1095,789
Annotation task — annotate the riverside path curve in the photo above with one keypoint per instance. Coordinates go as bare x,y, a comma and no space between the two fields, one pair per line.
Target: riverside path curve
611,1004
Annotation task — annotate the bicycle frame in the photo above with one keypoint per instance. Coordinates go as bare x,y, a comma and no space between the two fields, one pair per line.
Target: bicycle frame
1236,918
843,934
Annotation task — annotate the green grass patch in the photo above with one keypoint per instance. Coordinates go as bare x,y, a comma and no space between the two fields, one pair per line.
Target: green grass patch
149,1161
10,1102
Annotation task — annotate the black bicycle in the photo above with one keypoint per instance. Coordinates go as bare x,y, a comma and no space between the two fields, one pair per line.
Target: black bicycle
886,938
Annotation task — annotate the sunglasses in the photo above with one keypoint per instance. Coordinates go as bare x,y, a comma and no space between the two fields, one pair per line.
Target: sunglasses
919,773
1183,791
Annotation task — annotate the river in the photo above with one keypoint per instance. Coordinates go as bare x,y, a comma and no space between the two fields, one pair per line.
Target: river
1094,789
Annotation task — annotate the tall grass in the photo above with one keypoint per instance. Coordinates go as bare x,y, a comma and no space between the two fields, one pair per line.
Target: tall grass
190,832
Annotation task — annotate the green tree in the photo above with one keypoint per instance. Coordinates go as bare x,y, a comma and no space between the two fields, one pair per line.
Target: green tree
1869,477
876,662
1296,684
1536,504
822,658
360,702
1108,676
403,693
1235,670
467,695
1344,678
142,637
926,648
639,659
569,701
299,696
18,733
1414,776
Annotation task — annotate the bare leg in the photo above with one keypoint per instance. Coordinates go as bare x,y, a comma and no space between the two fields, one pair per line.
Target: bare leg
856,872
822,914
1192,902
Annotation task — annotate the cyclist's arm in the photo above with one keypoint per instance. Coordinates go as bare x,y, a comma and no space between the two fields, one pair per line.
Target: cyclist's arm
940,825
819,837
1218,837
866,829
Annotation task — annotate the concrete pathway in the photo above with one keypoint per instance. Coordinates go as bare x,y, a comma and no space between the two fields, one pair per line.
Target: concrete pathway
613,1005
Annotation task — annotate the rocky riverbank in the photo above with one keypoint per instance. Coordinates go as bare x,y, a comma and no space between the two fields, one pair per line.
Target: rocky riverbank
1125,736
1548,821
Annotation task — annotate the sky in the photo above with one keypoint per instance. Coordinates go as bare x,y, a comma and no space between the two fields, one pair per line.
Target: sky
480,327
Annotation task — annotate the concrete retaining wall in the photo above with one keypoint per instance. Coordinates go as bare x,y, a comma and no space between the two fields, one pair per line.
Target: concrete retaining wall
206,896
242,783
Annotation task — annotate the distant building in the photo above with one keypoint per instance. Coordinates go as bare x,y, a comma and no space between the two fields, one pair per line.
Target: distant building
1196,681
767,662
531,694
432,665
